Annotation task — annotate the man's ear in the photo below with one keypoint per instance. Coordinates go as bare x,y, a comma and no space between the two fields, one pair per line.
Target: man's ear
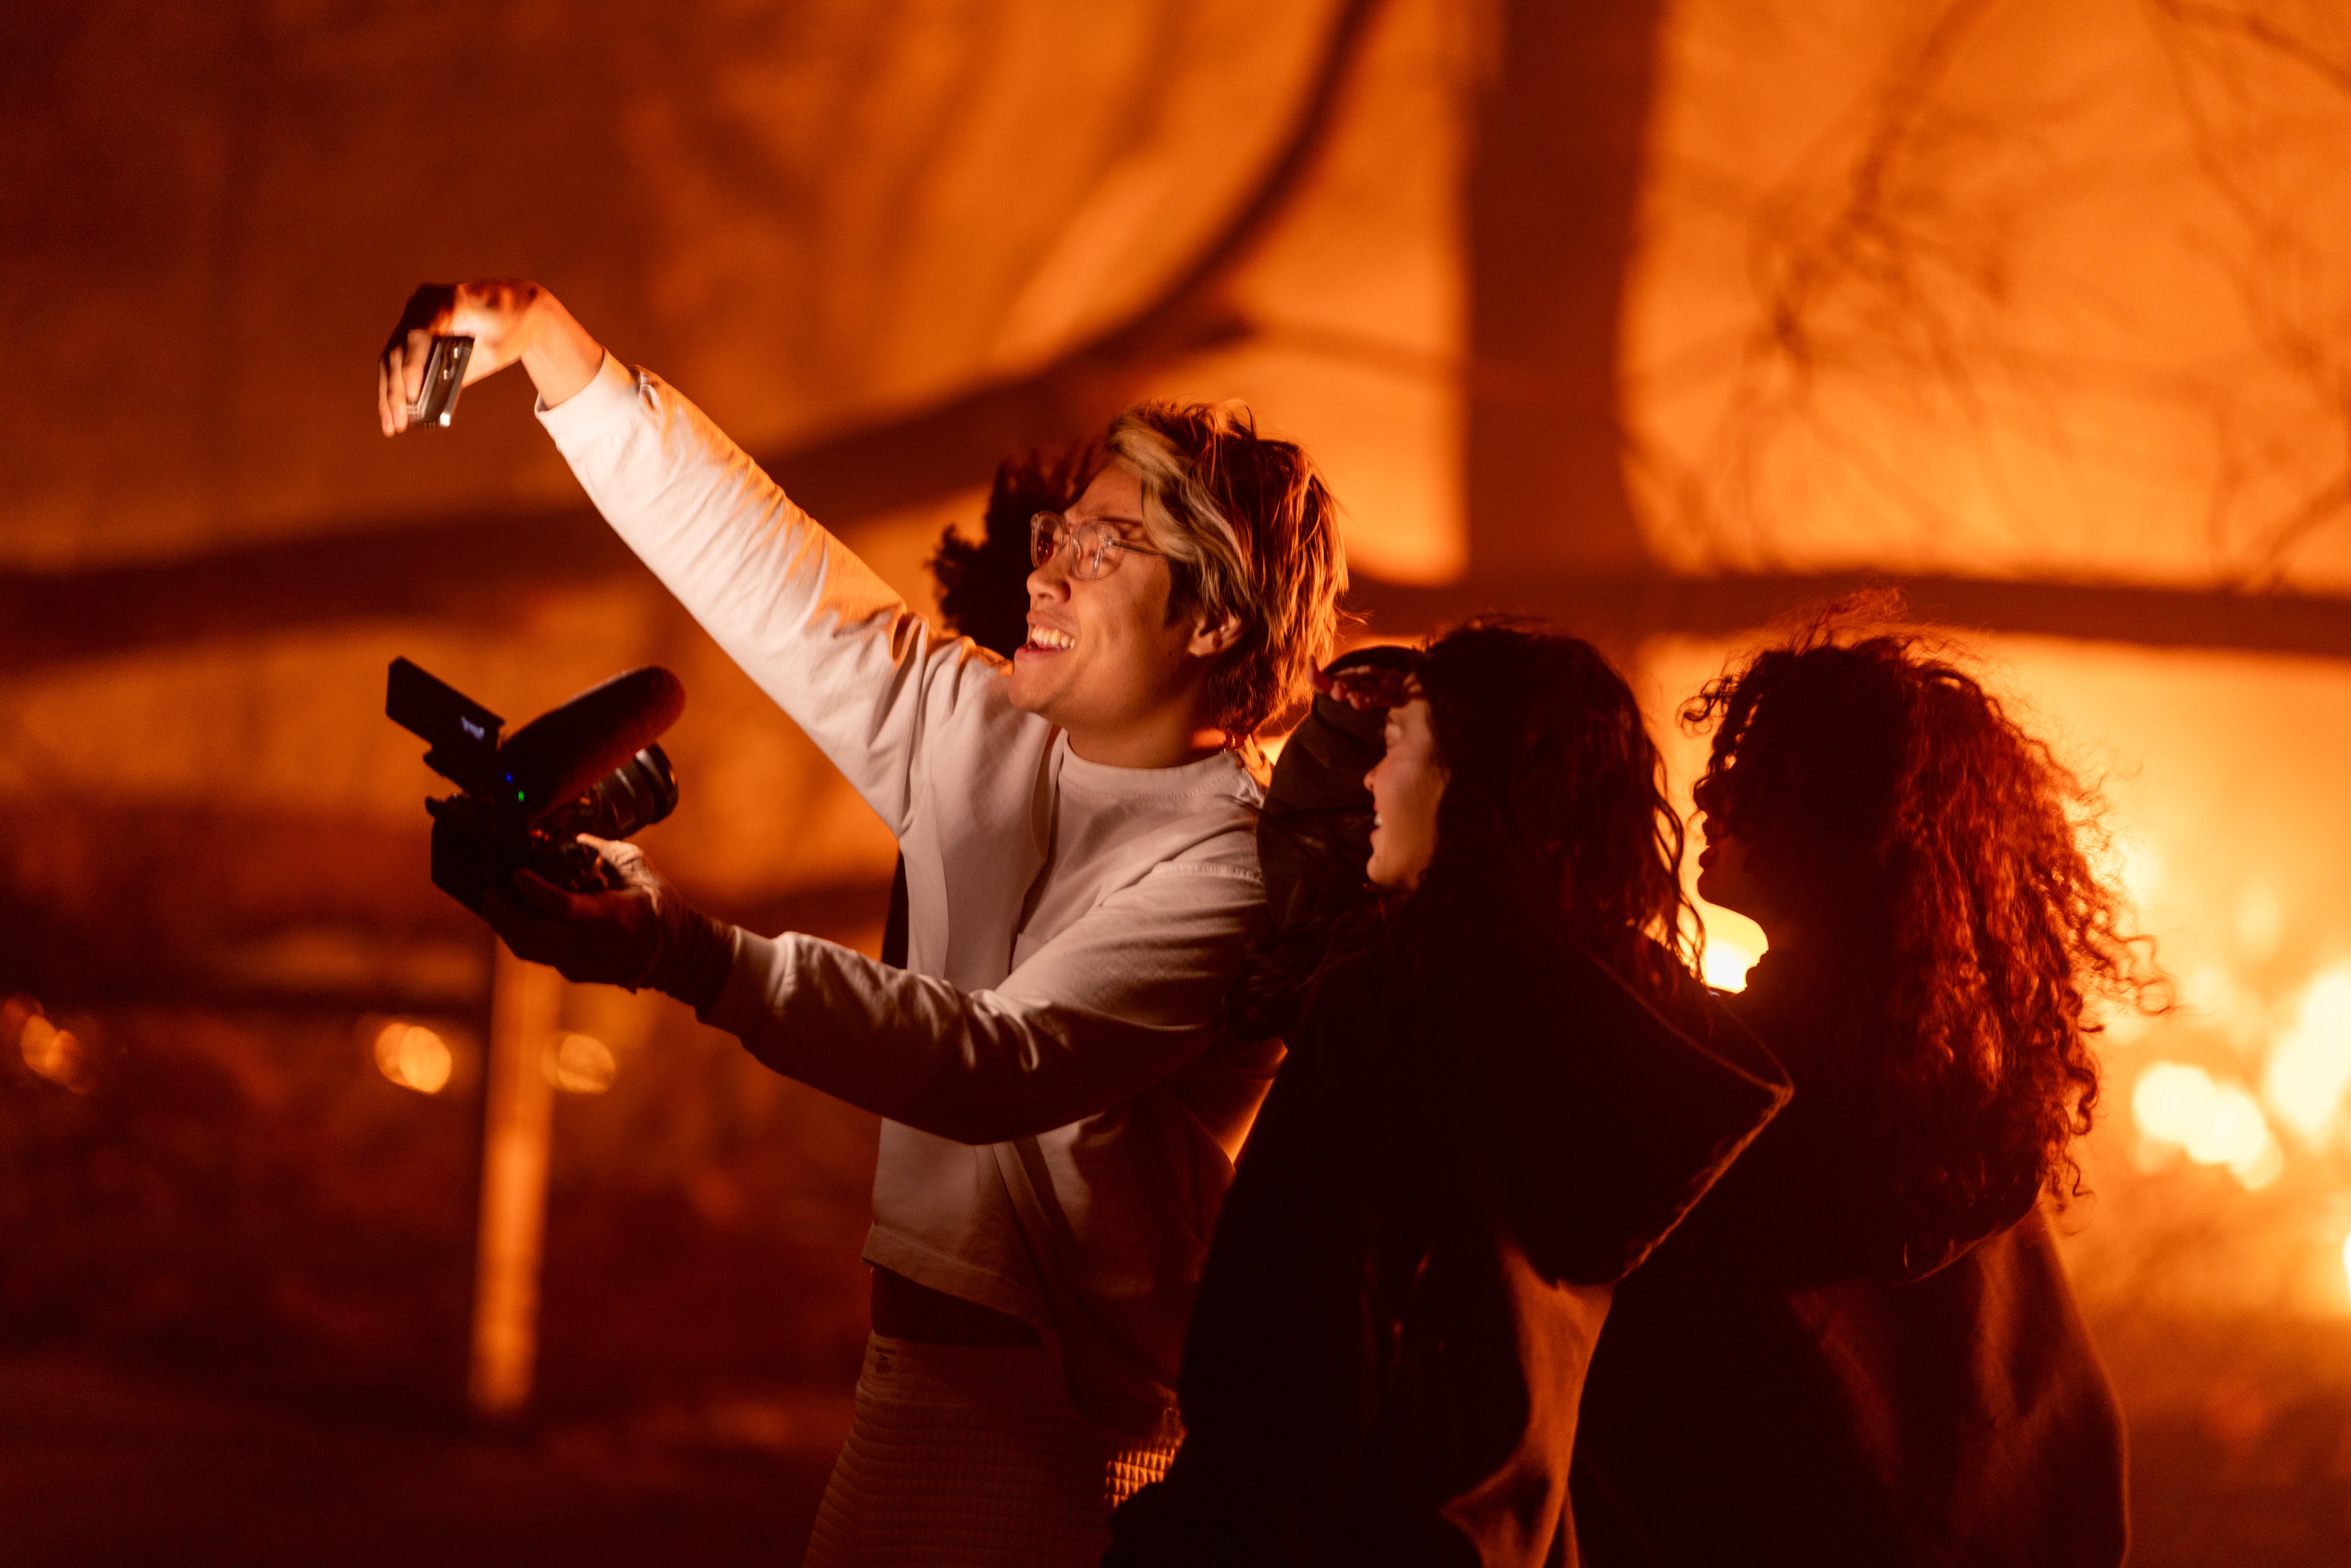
1210,638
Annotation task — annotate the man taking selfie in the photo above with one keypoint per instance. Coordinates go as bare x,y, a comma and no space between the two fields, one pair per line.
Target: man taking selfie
1059,1111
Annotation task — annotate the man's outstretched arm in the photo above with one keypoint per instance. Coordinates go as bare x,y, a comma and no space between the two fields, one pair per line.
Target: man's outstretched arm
835,647
1119,1002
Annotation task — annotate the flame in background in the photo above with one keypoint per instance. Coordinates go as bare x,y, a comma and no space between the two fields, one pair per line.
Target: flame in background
2310,1065
1728,960
2213,1122
2304,1060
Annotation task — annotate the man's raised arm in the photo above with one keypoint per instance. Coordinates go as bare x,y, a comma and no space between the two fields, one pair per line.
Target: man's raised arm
821,633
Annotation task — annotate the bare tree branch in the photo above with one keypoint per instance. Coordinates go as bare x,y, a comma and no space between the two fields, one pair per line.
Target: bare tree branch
479,564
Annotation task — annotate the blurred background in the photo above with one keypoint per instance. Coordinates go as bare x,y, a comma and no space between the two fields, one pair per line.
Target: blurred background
1662,316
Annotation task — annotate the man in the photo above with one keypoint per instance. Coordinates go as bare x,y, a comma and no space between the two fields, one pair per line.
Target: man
1060,1115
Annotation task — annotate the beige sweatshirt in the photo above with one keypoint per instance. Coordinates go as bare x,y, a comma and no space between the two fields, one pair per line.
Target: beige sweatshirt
1060,1114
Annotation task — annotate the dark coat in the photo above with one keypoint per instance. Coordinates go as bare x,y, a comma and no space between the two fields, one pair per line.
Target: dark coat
1466,1147
1801,1374
1314,839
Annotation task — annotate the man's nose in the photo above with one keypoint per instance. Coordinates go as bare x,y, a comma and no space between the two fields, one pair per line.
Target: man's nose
1048,581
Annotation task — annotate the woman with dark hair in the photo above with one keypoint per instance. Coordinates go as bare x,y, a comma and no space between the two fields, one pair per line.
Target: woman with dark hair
1861,1347
1503,1088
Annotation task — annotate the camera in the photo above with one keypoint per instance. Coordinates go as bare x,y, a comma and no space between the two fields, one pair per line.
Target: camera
589,766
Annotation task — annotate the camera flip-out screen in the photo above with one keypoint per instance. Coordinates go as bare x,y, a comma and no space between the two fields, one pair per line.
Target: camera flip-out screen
463,733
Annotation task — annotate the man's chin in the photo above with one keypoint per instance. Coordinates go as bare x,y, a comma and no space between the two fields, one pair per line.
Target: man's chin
1025,692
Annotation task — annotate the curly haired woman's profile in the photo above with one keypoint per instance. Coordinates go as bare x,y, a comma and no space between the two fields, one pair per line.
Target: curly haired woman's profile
1861,1346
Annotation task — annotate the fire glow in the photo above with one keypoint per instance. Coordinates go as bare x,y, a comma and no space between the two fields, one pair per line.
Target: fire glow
1727,962
2213,1122
2310,1066
2184,1110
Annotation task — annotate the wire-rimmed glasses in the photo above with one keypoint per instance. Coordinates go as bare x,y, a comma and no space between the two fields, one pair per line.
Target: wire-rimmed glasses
1089,545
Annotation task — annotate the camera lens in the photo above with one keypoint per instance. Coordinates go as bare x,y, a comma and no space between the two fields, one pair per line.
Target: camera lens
637,794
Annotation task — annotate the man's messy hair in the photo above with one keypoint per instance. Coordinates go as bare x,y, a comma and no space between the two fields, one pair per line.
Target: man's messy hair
1249,531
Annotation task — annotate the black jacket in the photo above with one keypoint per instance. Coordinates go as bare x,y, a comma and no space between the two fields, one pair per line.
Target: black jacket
1804,1374
1472,1139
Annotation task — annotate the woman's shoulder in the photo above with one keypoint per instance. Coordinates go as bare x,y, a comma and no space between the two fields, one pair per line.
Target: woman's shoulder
1354,992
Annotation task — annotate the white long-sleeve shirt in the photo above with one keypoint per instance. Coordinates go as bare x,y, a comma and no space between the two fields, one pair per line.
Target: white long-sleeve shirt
1059,1113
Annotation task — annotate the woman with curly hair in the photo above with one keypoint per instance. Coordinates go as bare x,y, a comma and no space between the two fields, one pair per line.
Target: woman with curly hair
1860,1348
1503,1087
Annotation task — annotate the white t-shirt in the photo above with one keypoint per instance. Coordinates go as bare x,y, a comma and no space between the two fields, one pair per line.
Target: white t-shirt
1060,1114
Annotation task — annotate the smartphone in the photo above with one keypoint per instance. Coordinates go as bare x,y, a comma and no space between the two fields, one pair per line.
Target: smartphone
445,378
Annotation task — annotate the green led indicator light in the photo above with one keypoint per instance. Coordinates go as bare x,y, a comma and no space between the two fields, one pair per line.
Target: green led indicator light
517,794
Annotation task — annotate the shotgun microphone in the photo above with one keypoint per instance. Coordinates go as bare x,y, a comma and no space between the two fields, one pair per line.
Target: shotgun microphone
589,766
560,756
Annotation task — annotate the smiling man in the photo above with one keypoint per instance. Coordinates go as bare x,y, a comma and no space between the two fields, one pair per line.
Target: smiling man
1060,1112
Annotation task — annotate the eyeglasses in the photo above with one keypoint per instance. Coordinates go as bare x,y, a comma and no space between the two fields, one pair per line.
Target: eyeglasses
1089,545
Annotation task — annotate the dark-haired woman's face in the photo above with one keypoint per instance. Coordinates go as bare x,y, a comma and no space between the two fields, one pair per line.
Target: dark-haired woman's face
1406,788
1727,874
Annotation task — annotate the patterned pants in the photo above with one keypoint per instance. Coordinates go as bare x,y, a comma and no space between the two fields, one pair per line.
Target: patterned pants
971,1456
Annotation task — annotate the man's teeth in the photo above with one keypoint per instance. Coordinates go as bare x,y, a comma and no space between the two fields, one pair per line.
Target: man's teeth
1045,637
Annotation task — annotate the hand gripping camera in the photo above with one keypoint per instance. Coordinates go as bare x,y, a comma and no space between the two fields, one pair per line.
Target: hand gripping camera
588,767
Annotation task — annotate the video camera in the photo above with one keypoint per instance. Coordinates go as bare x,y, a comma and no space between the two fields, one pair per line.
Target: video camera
588,767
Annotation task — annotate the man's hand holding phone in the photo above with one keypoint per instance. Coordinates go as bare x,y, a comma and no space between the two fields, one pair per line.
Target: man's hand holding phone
507,319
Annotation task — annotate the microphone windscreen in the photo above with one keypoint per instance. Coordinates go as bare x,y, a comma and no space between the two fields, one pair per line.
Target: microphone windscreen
556,756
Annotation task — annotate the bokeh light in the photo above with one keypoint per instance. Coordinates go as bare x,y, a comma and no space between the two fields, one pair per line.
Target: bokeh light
2310,1066
55,1053
2218,997
582,1064
2180,1107
414,1057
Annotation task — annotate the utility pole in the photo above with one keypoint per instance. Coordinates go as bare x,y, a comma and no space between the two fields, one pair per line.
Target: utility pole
518,1119
1551,196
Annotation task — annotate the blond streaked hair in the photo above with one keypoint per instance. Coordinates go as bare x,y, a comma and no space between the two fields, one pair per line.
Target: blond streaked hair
1249,531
